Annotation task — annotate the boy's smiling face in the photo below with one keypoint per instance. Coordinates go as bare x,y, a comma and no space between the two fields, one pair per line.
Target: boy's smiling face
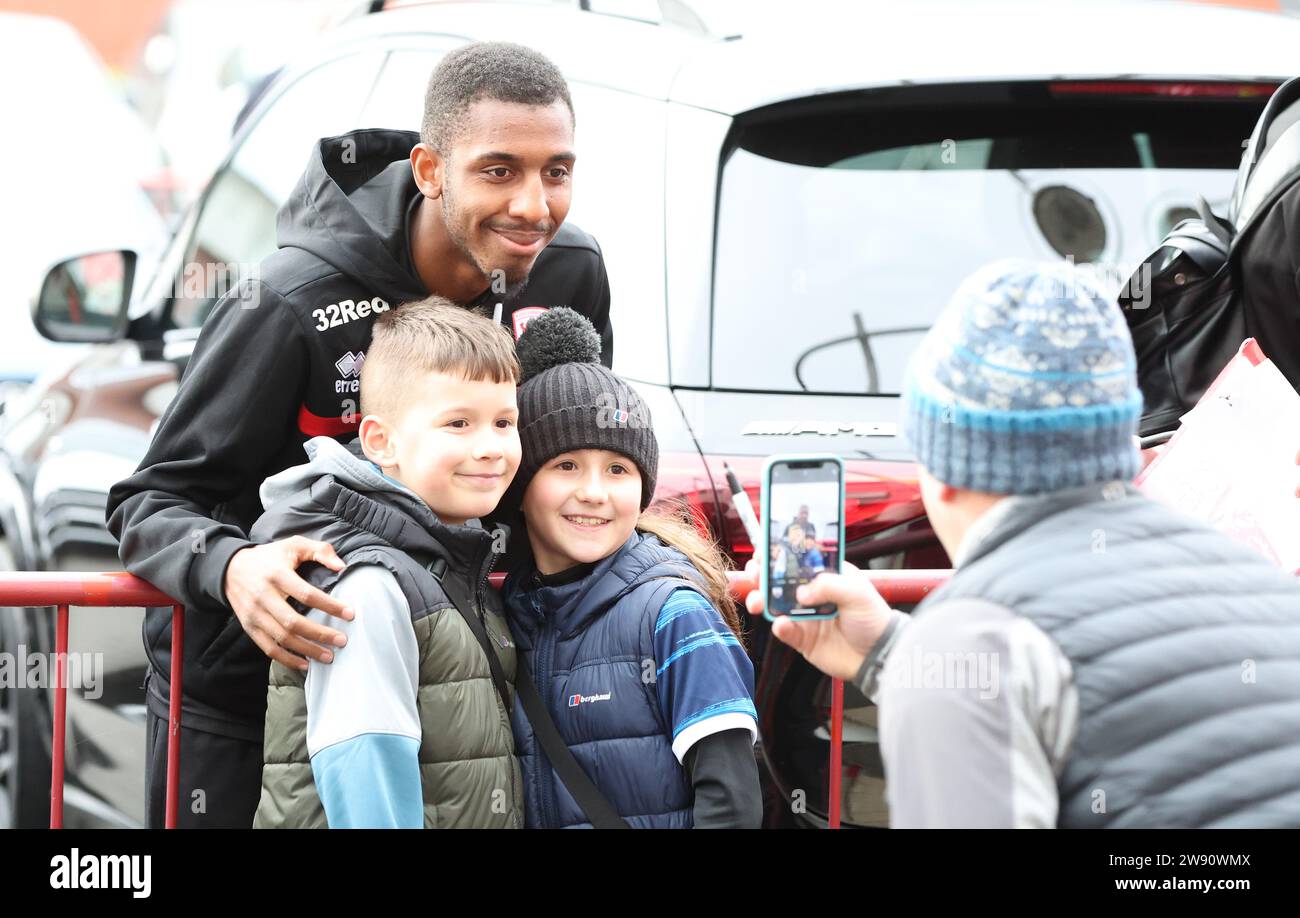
581,507
455,443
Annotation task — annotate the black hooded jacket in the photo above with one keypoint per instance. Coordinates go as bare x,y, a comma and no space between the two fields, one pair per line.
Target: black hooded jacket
277,363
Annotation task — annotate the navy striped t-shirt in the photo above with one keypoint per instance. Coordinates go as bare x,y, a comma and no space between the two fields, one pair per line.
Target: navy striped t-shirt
703,677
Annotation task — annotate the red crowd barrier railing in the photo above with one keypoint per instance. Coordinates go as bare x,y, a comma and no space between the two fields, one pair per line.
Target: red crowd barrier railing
62,590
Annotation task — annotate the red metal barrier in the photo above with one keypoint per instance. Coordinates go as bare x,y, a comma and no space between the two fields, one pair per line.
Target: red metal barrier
62,590
895,587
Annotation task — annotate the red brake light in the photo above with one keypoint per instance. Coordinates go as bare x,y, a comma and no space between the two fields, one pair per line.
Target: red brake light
683,479
1173,89
878,496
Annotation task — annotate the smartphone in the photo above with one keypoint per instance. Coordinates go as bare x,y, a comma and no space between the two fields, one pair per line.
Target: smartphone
803,527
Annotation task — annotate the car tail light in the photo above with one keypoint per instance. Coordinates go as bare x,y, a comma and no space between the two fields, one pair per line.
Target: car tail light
1165,88
683,480
878,496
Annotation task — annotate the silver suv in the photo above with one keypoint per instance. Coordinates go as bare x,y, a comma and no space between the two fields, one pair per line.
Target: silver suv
783,211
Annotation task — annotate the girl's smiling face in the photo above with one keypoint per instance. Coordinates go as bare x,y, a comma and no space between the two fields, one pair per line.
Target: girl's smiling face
580,507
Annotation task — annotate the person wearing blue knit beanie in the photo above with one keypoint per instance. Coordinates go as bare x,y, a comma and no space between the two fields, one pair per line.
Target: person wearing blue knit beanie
1026,384
1094,659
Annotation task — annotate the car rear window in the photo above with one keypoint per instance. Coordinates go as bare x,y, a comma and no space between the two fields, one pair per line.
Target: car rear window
845,223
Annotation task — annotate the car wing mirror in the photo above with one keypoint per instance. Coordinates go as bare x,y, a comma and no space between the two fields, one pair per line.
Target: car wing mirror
85,299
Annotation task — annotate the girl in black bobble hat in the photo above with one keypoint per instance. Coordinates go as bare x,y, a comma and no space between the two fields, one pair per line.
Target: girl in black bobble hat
622,613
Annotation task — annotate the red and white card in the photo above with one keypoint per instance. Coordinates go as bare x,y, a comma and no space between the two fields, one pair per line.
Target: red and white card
1232,462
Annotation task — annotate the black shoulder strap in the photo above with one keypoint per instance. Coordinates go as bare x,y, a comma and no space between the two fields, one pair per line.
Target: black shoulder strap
439,569
598,810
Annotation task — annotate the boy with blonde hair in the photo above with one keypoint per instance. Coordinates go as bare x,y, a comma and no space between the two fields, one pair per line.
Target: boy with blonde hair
407,726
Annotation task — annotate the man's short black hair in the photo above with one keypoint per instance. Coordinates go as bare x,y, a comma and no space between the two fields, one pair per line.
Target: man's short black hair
496,70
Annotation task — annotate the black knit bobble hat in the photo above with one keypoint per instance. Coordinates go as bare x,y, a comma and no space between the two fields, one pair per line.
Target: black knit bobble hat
568,401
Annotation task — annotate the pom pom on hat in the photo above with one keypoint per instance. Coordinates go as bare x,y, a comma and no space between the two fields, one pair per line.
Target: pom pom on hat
568,401
556,337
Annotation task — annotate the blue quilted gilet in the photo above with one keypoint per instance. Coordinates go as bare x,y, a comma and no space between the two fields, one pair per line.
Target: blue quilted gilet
589,646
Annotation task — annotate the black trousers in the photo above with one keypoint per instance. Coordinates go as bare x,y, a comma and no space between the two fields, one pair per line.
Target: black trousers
221,779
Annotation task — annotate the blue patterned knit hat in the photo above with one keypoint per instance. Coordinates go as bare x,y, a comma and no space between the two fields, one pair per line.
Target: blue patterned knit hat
1025,384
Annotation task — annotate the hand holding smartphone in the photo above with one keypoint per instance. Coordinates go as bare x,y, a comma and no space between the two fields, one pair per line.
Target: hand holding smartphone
803,530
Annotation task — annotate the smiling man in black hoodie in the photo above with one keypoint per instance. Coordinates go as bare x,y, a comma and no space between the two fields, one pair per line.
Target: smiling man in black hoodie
472,208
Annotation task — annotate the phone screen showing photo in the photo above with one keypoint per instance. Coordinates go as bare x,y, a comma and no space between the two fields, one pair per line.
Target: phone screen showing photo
803,537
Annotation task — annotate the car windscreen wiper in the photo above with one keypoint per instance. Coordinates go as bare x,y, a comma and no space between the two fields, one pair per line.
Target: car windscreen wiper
863,337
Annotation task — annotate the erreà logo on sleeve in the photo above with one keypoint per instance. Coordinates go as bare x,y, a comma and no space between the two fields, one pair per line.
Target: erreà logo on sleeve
575,700
102,871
